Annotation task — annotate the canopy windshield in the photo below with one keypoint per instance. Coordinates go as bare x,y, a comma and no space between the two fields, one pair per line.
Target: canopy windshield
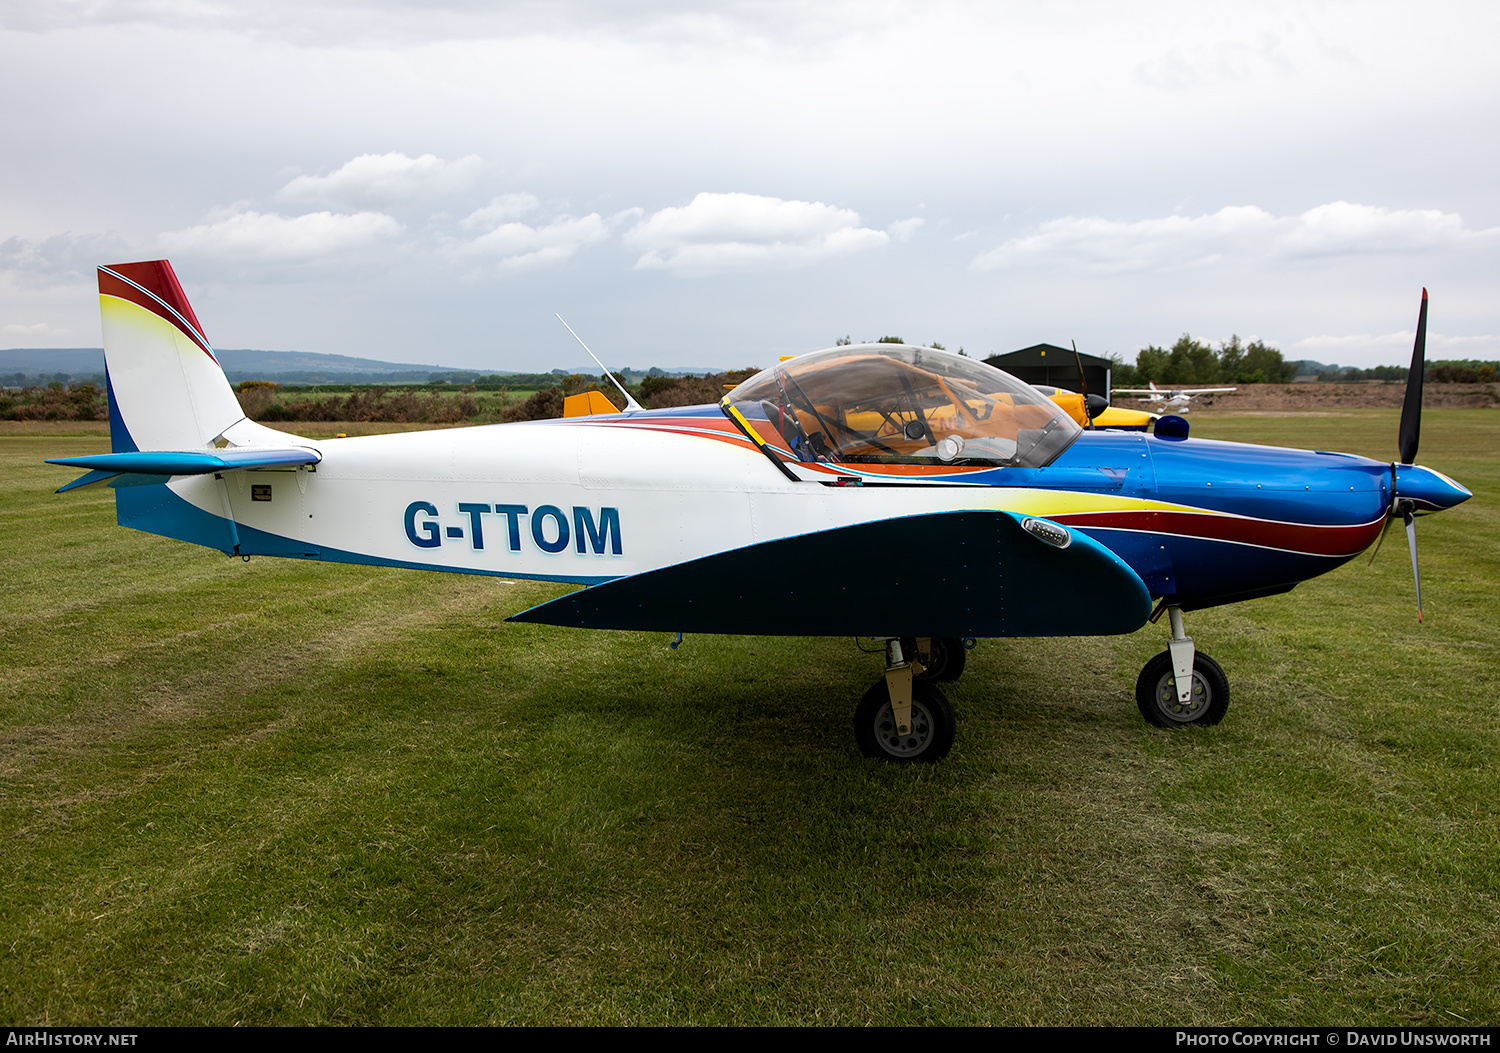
890,403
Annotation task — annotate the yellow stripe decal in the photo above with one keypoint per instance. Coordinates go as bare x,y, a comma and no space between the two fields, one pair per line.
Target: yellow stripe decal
750,432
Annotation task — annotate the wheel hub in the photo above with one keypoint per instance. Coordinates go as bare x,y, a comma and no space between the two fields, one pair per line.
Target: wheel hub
1166,697
898,745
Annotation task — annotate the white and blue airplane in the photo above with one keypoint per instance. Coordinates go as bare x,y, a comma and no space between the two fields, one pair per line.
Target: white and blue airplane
1174,400
901,493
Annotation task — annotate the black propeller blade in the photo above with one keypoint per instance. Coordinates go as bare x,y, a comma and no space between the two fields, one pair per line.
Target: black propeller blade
1411,538
1411,409
1407,439
1083,388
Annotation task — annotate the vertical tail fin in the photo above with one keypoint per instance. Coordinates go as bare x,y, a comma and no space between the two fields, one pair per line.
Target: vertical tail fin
166,388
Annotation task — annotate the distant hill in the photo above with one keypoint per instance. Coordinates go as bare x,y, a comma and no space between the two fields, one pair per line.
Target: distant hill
239,364
1307,365
23,366
241,361
74,361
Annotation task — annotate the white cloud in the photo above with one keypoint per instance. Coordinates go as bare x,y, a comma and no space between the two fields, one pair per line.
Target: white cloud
718,232
903,229
1203,64
333,22
1339,229
373,180
1099,244
500,209
36,329
268,236
520,246
1479,346
1389,347
61,259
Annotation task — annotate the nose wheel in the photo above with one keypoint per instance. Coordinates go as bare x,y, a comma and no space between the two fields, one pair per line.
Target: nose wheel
1180,686
1156,693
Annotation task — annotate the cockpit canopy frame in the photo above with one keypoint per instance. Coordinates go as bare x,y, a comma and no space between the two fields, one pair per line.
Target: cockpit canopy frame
902,404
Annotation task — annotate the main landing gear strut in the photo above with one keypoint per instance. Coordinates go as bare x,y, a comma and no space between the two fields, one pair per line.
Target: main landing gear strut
904,717
1180,686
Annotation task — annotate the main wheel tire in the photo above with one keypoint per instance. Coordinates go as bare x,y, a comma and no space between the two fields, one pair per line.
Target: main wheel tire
1156,693
931,734
946,657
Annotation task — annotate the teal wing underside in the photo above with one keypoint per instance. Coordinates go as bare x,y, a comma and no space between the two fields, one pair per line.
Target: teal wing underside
971,573
136,467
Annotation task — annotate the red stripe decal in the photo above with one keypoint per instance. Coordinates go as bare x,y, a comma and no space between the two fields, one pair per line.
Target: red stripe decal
154,286
1309,539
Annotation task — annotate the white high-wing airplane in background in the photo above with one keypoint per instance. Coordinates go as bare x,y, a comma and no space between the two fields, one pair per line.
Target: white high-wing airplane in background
1169,401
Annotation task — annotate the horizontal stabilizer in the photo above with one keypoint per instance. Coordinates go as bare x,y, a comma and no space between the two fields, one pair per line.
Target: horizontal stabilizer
115,480
971,573
160,464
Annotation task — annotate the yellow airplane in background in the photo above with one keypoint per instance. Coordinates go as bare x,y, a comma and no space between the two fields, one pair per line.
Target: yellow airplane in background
1109,417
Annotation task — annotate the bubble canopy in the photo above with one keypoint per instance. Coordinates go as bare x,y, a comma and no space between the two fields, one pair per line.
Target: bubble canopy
896,404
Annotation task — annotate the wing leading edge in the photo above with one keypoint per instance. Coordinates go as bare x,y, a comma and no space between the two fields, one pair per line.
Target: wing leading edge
970,573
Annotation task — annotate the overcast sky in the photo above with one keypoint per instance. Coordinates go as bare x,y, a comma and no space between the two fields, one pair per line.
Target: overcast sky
429,182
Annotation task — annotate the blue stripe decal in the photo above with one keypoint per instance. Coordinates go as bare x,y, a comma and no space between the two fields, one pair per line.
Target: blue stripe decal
120,439
157,510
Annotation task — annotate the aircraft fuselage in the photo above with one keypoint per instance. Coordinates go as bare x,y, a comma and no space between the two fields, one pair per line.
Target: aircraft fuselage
587,501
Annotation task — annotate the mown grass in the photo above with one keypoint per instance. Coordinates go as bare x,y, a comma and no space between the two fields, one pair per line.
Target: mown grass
279,792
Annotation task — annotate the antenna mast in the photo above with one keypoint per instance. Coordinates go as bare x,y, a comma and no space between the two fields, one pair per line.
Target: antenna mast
630,403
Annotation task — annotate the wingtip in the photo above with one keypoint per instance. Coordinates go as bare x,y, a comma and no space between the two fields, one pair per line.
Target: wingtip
1424,292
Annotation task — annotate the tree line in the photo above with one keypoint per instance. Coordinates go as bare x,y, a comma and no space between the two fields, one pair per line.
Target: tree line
1188,362
1195,363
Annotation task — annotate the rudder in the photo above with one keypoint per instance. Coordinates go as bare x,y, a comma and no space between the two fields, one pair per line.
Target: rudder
167,390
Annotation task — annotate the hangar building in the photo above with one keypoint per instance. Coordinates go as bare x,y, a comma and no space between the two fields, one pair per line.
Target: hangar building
1047,364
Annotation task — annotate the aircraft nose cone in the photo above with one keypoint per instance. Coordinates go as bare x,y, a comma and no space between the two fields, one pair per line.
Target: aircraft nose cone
1431,490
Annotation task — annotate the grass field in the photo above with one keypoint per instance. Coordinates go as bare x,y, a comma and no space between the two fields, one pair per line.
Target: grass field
280,792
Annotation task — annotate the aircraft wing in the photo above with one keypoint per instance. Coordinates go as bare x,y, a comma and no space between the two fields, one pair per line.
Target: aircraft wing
969,573
153,465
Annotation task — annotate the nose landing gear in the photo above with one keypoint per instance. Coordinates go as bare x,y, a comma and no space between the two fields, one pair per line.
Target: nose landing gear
1179,686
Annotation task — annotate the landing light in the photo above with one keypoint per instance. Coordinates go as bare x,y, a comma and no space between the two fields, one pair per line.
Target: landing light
1051,533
